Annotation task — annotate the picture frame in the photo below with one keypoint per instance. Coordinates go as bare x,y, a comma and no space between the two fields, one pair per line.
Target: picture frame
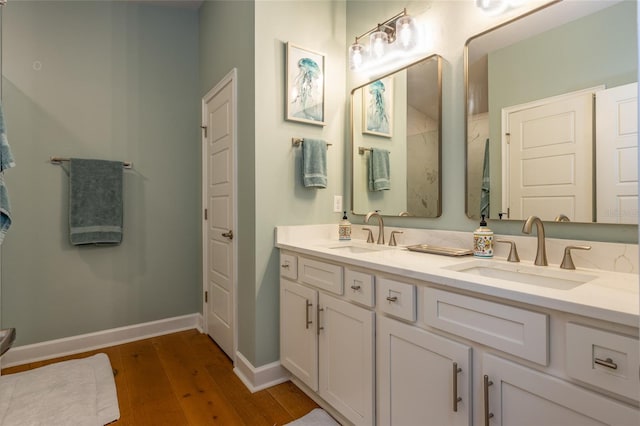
377,108
305,85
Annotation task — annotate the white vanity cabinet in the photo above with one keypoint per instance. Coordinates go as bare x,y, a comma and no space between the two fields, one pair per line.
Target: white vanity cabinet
327,342
519,396
298,335
414,351
422,378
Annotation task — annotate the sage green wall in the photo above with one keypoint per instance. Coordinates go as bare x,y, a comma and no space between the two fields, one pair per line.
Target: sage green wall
227,41
281,199
607,57
450,24
109,80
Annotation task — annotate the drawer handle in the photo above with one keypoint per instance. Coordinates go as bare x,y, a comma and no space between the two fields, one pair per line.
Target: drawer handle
487,414
318,319
286,265
355,287
308,320
606,363
456,398
392,298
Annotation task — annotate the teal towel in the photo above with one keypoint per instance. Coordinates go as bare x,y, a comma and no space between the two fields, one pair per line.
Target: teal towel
485,189
314,163
95,201
378,170
6,158
5,209
6,162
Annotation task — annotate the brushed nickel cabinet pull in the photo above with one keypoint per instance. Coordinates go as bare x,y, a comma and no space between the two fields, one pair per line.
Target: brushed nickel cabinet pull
308,317
392,298
606,363
456,398
318,319
487,414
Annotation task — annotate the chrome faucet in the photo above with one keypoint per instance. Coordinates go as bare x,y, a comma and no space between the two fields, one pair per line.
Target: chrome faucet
541,253
380,224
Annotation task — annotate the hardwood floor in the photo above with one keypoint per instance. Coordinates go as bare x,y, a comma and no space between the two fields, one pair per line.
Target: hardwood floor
185,379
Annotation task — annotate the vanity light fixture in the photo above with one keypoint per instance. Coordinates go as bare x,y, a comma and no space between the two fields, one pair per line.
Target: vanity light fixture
396,33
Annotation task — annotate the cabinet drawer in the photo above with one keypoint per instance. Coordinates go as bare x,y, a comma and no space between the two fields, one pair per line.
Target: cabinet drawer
513,330
319,274
604,359
359,287
289,266
396,298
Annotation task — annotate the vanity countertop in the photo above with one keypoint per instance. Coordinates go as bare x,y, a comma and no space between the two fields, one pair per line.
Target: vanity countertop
607,295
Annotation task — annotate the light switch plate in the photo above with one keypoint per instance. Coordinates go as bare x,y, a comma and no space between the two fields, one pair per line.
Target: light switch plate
337,203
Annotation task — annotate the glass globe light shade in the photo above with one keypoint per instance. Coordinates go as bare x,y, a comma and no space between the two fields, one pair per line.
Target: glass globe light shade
355,56
406,32
378,41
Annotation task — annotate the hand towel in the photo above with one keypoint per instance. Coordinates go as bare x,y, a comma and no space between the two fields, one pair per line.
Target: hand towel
95,201
6,162
485,189
379,173
314,163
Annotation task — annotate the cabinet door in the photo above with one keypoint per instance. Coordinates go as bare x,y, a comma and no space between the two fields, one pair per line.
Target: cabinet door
346,339
298,339
418,382
521,396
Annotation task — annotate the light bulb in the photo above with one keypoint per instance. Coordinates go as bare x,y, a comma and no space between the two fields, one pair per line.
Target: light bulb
378,41
405,29
355,56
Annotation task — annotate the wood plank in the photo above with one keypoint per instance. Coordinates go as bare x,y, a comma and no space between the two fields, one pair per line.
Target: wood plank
151,393
292,399
202,401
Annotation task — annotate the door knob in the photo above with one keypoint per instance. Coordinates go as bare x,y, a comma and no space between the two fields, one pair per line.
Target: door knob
228,235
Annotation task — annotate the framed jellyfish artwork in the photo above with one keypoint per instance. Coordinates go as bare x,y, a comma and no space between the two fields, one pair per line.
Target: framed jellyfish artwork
377,108
305,85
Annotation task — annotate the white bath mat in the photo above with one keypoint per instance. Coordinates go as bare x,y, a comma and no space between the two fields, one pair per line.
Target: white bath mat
316,417
76,392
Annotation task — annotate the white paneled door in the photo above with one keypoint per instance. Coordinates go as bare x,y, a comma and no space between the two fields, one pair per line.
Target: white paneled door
219,254
549,166
617,154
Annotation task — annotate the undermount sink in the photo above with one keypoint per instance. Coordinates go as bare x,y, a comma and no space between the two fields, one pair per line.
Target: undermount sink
356,248
542,276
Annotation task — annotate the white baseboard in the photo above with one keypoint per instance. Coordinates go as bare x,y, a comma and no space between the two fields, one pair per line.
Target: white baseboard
86,342
257,379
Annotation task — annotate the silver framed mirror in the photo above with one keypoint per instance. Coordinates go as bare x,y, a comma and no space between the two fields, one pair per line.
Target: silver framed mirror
551,115
396,138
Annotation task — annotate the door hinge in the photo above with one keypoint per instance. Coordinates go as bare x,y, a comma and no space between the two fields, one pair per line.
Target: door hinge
508,135
206,215
206,297
205,130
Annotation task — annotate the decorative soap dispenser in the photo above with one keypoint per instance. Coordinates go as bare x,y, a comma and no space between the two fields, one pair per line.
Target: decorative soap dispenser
483,240
344,229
